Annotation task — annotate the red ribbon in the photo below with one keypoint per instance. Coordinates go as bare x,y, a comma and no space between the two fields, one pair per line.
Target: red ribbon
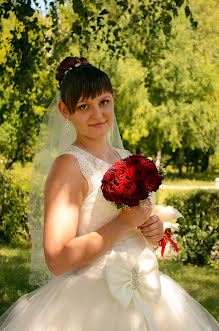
163,242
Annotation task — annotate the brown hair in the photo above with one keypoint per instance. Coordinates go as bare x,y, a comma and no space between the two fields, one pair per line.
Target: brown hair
82,81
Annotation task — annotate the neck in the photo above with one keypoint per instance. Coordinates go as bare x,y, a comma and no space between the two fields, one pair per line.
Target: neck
97,146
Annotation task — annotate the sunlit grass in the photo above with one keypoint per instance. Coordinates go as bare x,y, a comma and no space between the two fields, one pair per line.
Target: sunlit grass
188,182
162,194
14,273
202,283
196,179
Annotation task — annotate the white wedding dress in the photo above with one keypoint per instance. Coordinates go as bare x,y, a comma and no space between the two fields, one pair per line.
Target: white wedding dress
122,290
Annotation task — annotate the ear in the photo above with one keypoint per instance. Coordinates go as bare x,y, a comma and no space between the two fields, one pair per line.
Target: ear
64,110
113,94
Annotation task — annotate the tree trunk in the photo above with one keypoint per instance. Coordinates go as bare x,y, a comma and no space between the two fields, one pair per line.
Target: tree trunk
158,158
139,150
205,162
180,161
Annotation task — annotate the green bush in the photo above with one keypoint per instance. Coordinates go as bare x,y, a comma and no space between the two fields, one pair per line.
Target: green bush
13,208
197,236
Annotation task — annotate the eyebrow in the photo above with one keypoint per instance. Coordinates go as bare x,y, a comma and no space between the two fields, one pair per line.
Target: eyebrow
106,95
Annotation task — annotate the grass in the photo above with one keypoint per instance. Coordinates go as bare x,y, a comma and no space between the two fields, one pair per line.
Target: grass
200,282
14,273
188,182
197,178
163,193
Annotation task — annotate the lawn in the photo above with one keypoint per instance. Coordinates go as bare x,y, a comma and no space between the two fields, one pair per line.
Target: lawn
197,178
201,283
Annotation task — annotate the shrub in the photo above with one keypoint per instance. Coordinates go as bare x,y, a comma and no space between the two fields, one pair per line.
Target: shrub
197,236
13,208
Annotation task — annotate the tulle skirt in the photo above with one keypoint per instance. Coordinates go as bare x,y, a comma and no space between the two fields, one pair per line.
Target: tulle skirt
72,302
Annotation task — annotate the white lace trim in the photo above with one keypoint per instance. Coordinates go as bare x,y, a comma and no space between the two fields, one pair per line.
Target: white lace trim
90,165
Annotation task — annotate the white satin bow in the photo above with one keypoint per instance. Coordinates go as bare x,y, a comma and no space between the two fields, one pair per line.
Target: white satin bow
138,280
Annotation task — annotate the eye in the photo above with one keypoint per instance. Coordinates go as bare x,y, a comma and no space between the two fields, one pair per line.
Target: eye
82,107
106,101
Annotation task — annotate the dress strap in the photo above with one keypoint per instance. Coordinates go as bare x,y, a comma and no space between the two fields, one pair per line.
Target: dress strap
87,168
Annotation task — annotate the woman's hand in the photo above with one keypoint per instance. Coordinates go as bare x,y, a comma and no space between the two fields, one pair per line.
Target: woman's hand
152,229
134,216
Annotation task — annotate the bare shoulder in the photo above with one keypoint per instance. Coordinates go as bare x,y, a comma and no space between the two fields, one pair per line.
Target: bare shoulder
63,198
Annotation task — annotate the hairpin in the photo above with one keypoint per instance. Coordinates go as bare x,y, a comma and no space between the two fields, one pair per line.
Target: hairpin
76,65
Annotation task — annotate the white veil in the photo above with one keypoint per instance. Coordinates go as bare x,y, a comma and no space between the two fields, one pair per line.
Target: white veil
54,139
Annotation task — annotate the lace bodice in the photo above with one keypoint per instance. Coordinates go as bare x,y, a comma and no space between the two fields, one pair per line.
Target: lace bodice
96,210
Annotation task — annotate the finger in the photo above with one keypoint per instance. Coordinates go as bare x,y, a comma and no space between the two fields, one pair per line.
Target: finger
151,227
152,233
155,236
151,220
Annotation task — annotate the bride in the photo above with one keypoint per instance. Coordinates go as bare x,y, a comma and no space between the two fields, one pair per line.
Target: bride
102,272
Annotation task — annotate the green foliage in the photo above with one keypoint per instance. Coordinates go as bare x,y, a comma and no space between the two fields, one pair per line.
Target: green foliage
117,19
185,116
22,59
13,208
165,78
198,232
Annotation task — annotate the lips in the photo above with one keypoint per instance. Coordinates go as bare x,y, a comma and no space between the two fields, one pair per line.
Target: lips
98,124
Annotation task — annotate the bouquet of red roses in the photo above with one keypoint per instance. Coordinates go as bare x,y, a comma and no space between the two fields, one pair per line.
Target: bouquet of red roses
133,179
130,180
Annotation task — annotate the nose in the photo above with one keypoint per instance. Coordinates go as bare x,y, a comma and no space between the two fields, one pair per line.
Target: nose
97,111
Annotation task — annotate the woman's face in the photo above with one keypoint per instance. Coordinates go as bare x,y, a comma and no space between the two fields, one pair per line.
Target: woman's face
90,113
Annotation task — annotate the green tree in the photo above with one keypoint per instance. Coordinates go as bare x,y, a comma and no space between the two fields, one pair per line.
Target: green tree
182,102
35,44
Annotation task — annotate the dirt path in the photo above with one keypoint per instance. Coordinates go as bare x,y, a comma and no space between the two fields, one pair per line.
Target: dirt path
184,187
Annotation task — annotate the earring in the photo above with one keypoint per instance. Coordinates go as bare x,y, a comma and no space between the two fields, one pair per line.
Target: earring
67,125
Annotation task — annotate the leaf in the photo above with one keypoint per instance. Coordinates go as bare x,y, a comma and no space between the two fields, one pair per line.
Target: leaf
187,11
78,7
104,12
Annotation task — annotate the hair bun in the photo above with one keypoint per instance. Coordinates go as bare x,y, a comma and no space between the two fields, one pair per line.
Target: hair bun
67,63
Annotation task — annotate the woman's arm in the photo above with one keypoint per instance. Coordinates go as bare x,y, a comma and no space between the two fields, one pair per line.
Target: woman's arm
64,193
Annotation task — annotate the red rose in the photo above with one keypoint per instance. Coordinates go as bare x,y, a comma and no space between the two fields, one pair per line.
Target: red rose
127,188
129,180
121,171
134,159
112,193
141,191
150,183
158,182
151,168
109,176
131,202
135,172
